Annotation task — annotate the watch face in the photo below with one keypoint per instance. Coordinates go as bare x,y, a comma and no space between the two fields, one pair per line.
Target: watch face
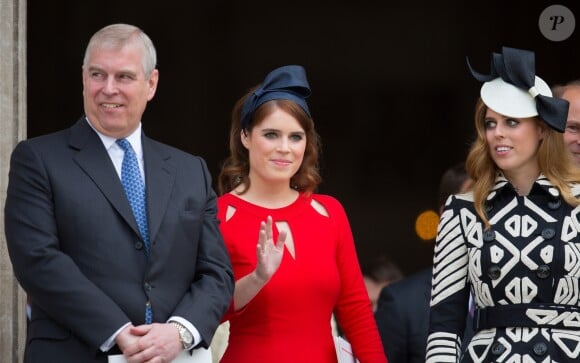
184,335
187,337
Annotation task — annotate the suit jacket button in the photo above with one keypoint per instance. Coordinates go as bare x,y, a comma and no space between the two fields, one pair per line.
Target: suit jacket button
494,272
548,233
138,245
540,348
497,348
543,271
488,235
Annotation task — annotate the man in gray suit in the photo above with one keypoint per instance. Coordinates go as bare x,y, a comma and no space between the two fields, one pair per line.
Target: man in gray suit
105,277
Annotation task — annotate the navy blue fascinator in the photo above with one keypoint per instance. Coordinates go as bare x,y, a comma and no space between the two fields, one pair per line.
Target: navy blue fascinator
284,83
513,89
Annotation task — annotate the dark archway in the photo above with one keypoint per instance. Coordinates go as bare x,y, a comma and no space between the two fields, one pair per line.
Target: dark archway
392,96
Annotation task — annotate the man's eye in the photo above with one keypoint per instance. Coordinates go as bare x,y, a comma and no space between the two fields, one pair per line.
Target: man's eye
126,77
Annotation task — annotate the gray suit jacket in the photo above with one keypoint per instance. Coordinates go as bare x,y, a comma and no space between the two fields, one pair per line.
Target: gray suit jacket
76,250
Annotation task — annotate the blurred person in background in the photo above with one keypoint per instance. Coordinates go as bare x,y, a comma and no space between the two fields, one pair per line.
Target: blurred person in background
403,307
571,93
378,273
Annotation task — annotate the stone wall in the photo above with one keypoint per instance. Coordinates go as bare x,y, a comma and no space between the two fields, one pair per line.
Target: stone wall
12,129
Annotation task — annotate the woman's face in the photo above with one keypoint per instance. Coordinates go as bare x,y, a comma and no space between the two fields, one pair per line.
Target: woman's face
276,148
513,142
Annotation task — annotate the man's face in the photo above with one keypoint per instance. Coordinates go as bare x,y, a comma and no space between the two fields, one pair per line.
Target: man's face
572,133
116,89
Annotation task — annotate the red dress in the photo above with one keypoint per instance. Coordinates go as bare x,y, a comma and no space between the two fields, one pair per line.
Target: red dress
289,319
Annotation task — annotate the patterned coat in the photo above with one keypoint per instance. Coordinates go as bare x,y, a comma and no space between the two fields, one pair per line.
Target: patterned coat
524,273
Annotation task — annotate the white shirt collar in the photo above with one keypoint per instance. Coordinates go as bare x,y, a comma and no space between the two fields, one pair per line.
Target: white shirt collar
134,139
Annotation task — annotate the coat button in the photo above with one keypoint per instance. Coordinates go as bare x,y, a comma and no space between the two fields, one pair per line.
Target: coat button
554,204
548,233
497,348
540,348
543,271
147,286
494,272
488,235
138,245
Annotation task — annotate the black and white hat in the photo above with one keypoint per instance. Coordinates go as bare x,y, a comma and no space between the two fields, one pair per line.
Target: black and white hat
512,89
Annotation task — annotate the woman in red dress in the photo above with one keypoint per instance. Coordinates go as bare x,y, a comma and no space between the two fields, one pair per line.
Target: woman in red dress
292,250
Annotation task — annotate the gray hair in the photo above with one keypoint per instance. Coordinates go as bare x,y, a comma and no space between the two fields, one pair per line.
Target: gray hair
116,36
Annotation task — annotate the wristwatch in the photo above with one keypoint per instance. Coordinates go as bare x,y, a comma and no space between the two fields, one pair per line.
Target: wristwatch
184,335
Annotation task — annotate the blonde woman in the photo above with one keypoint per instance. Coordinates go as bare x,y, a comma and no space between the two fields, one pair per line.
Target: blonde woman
514,239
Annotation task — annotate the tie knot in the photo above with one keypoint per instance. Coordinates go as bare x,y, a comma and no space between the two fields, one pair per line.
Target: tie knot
124,144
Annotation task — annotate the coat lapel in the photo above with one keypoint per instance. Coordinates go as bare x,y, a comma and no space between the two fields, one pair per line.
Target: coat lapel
160,177
95,161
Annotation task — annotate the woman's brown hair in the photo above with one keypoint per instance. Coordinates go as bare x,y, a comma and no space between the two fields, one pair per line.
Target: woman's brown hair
236,167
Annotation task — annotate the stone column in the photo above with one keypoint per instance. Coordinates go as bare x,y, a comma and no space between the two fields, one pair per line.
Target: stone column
12,130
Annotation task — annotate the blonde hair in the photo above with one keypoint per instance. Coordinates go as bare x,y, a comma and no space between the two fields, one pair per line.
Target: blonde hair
553,160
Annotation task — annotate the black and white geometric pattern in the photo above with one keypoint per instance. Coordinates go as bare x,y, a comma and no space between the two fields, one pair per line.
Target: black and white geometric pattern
530,257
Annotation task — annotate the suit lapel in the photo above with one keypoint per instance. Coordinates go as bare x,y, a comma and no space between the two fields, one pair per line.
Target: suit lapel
95,161
160,177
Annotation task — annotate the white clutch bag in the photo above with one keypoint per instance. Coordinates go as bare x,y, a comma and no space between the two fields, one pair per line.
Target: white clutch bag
344,352
199,355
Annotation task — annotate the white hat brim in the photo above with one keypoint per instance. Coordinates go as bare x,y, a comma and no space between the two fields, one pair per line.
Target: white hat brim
509,100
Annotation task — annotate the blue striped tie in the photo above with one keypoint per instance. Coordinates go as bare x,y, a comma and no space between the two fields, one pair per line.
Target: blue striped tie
135,191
